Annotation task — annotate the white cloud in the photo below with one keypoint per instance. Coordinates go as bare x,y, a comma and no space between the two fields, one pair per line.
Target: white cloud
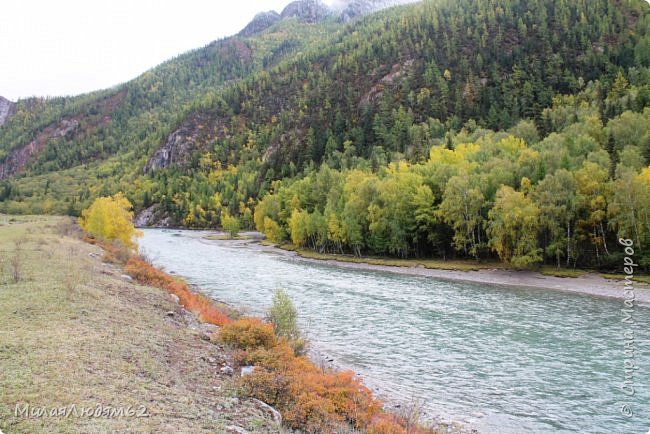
68,47
73,46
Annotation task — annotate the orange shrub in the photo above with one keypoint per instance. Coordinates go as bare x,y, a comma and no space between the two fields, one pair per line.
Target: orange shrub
308,398
114,252
248,334
198,304
146,274
350,398
385,424
269,386
313,413
278,358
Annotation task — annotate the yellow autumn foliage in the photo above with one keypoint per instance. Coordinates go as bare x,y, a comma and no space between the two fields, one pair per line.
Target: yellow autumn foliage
110,219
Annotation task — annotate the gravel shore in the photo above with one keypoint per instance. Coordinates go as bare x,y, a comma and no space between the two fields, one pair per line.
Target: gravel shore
589,284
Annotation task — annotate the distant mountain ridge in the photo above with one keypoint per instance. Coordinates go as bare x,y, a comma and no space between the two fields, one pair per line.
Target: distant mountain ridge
313,11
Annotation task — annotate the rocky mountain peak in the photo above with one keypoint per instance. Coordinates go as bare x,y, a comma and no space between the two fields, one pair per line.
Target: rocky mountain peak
310,11
260,22
313,11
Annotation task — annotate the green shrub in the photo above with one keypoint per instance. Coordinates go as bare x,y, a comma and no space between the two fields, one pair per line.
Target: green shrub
230,224
284,317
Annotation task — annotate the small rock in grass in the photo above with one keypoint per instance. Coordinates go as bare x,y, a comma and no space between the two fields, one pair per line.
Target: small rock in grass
227,370
236,429
247,370
277,417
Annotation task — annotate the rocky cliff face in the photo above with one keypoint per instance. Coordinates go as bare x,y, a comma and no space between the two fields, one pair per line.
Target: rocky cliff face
7,109
176,150
310,11
198,131
153,216
260,22
69,128
18,159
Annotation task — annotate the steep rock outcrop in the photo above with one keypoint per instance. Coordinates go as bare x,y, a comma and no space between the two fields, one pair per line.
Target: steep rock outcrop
70,128
18,159
198,130
376,91
260,22
7,109
154,216
356,8
309,11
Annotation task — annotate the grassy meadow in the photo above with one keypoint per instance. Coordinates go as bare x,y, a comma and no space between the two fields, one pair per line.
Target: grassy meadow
75,331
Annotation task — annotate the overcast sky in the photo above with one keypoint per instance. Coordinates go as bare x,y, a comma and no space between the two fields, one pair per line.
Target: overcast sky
67,47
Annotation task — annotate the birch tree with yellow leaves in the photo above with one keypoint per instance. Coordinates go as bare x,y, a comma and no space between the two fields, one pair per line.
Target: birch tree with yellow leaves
111,219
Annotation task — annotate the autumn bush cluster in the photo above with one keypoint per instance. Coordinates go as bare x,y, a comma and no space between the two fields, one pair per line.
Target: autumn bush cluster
198,304
310,398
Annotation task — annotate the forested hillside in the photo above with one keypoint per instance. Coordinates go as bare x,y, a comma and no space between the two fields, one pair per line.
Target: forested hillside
66,151
474,128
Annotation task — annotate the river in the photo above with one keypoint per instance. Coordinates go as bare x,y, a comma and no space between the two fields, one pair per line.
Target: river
503,359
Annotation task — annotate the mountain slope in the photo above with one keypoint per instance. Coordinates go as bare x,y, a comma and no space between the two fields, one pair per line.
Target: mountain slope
213,130
397,69
149,103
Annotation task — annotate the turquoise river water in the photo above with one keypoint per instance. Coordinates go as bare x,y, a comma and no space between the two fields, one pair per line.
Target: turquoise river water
503,359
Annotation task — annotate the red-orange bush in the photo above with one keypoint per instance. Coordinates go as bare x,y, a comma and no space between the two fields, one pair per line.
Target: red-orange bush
248,334
198,304
269,386
385,423
313,413
308,398
278,358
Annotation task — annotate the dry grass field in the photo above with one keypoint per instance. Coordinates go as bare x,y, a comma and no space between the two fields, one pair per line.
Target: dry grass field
74,331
